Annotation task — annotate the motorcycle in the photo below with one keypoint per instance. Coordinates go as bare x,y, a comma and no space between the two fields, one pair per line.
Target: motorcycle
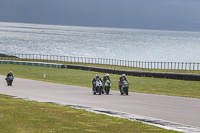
98,87
124,88
9,80
107,86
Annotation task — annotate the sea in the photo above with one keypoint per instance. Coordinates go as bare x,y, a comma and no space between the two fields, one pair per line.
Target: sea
98,42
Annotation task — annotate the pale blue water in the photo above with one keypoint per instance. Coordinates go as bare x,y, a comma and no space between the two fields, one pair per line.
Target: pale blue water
126,44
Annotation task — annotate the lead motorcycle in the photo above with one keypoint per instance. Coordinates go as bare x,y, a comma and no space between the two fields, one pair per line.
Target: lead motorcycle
98,87
107,86
124,88
9,80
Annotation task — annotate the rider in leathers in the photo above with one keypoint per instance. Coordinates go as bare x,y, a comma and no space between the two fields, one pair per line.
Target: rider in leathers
10,74
120,81
94,81
105,78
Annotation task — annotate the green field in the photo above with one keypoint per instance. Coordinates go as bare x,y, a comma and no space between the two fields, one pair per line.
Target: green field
83,78
20,116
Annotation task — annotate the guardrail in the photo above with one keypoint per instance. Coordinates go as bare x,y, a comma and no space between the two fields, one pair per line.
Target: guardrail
179,76
82,60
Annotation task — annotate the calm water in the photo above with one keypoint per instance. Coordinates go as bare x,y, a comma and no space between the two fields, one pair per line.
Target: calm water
127,44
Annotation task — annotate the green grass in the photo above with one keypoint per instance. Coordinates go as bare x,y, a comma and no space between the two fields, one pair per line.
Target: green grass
83,78
20,116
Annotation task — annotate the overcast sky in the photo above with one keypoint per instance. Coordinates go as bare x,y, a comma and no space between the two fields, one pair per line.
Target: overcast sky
138,14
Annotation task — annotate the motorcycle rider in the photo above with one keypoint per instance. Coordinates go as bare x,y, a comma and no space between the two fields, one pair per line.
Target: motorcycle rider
9,74
120,81
105,78
94,81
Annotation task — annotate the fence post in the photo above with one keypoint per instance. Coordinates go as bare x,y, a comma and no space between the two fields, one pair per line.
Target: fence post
182,66
178,65
185,65
193,65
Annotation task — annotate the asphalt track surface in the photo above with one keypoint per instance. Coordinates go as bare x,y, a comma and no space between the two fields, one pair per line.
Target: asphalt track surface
149,108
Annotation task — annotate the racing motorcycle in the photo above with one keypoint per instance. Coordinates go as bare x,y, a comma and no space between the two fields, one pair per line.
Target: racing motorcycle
98,87
9,80
107,86
124,88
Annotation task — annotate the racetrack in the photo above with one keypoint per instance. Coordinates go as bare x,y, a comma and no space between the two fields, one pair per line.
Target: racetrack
174,109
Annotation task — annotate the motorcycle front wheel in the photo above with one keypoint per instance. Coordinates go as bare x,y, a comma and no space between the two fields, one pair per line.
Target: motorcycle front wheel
121,92
107,90
126,91
100,91
10,83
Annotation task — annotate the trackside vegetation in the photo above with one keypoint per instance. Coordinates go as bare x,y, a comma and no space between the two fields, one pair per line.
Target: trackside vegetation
83,78
21,116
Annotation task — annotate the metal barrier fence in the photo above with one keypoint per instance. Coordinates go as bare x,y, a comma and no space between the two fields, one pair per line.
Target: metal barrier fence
82,60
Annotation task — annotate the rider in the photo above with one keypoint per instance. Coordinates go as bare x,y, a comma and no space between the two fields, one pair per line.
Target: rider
10,74
94,81
121,79
105,78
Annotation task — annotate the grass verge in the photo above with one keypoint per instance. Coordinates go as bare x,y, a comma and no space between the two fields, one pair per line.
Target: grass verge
83,78
17,115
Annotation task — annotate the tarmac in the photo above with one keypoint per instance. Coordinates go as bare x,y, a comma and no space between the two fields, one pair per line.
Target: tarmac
169,112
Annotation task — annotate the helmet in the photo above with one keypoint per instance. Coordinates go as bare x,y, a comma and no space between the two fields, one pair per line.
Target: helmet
107,75
97,76
10,71
123,75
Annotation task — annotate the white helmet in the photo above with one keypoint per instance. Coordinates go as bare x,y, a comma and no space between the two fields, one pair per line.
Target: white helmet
123,75
10,71
107,75
97,76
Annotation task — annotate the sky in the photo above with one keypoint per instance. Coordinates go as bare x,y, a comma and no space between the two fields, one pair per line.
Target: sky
177,15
